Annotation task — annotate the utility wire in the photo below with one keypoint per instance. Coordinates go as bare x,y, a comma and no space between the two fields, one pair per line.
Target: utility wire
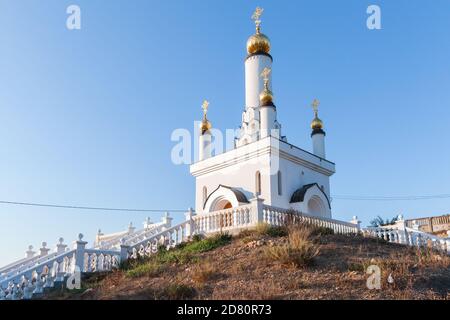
337,197
396,198
85,208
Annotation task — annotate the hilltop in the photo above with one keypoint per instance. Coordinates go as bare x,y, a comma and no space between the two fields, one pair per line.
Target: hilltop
275,263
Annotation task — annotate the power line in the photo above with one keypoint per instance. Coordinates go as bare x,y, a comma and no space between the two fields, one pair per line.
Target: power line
85,208
393,198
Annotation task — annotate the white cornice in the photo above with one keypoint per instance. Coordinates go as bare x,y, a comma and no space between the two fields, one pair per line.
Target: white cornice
261,148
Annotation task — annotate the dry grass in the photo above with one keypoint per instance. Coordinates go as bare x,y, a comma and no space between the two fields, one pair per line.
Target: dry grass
299,251
203,272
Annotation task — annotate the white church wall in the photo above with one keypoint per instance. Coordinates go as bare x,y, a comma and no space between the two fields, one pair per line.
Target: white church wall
237,168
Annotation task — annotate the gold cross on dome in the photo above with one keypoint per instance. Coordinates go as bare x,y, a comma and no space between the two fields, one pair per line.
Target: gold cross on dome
266,73
205,106
315,105
257,16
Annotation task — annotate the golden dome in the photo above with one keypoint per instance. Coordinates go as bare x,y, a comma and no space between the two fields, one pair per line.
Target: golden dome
205,125
266,97
257,43
316,124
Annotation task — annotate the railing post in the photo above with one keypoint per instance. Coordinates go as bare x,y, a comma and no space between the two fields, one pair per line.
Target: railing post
147,223
356,222
190,225
124,248
167,220
30,253
447,242
258,207
401,227
131,228
44,250
80,246
61,247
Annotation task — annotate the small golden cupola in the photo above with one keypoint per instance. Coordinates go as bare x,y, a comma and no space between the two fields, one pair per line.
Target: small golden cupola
259,42
205,125
266,96
316,124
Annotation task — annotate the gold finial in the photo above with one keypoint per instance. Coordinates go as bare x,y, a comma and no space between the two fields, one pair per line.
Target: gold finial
315,105
257,18
205,106
266,96
265,75
316,123
205,125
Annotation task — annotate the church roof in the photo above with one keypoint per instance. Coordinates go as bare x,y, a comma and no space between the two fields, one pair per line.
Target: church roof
299,195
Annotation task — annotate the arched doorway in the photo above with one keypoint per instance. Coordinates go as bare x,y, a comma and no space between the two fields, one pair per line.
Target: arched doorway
224,198
222,204
316,207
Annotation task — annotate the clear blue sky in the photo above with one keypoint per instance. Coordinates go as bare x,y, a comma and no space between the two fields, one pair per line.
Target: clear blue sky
86,116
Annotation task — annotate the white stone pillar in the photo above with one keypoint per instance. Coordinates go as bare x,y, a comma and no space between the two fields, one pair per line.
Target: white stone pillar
124,249
190,225
61,247
147,223
131,228
356,222
167,220
258,210
30,253
80,246
44,250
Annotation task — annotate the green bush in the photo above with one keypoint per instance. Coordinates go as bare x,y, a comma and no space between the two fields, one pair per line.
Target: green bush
208,244
264,229
322,231
151,269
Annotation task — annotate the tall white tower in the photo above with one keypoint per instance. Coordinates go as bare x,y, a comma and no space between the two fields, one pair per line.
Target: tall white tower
318,134
204,144
258,59
267,109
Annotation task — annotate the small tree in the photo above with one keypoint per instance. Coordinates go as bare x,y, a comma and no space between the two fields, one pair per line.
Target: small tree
379,222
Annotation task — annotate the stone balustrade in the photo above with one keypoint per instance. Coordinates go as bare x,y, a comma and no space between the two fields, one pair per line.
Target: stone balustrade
226,220
399,233
278,217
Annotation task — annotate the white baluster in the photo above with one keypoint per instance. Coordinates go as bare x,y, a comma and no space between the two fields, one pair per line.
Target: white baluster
39,285
49,281
28,290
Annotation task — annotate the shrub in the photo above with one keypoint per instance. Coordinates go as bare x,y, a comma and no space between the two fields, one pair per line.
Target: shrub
208,244
197,238
298,251
179,292
151,269
203,272
264,229
322,231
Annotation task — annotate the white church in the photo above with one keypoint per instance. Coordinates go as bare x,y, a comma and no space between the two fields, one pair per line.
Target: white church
263,179
263,164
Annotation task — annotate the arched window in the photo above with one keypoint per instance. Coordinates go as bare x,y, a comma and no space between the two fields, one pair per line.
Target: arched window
205,194
280,191
258,183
